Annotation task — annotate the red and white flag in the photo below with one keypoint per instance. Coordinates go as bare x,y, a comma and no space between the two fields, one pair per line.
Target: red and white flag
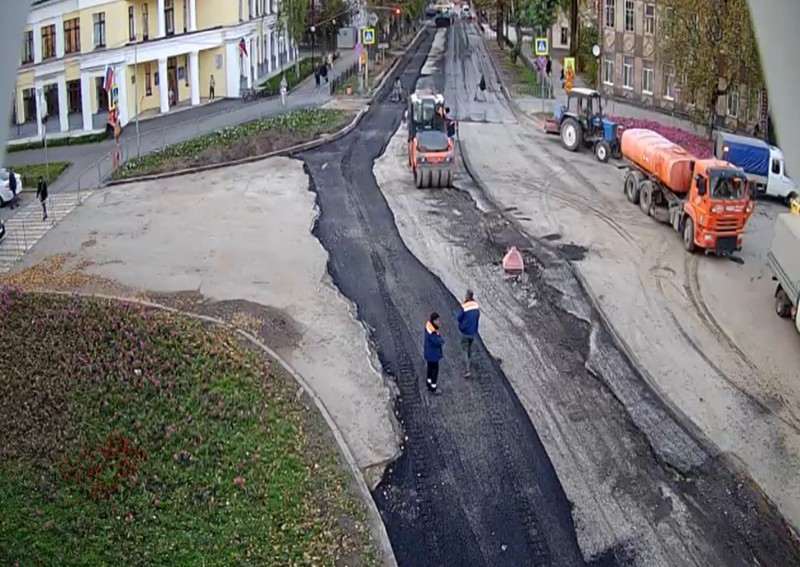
243,46
109,80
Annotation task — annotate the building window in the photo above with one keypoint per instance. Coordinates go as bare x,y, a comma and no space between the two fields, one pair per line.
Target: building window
48,41
648,76
629,21
185,15
99,29
72,35
148,80
27,47
564,35
627,73
169,17
610,11
650,19
131,23
608,70
732,103
145,23
669,82
29,105
74,96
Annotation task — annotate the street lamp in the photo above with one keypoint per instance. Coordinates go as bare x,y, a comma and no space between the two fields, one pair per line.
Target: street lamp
313,29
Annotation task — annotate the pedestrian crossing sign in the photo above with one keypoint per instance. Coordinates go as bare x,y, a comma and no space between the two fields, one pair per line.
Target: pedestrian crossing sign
368,36
540,46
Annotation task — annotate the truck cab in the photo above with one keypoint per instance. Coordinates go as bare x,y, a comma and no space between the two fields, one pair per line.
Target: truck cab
718,206
778,183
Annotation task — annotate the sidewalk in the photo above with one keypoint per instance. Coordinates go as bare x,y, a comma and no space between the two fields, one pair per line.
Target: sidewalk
91,163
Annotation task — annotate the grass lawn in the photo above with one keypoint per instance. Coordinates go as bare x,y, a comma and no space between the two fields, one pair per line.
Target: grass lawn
30,173
136,437
254,138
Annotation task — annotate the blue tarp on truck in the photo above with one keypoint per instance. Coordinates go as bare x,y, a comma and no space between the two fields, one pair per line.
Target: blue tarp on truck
751,154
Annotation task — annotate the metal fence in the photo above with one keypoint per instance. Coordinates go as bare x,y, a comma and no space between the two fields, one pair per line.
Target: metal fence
342,78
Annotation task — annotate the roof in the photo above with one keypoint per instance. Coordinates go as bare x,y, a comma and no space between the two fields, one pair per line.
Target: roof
744,140
583,91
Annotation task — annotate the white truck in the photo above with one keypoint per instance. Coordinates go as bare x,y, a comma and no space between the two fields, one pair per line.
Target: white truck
784,262
763,164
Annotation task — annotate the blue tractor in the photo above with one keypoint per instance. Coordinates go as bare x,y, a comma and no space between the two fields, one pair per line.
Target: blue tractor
581,124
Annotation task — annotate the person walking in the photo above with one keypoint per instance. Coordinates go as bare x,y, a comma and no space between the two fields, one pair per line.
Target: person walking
468,317
12,186
433,342
283,88
317,73
211,85
482,89
324,72
41,194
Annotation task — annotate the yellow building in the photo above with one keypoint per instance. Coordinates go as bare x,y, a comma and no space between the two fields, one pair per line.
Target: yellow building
155,54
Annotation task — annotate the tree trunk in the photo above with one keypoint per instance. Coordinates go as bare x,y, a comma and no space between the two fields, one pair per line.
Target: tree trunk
573,27
713,100
500,22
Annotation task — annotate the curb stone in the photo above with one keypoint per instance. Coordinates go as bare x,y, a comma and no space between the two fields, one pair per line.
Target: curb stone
282,152
378,529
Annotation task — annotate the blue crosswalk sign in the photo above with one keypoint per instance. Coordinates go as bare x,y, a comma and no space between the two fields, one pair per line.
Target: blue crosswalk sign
540,46
368,36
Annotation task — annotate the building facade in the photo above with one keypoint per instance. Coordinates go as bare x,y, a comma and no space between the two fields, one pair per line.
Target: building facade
633,70
153,54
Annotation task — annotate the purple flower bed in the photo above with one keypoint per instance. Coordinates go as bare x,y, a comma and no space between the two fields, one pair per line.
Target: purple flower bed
699,146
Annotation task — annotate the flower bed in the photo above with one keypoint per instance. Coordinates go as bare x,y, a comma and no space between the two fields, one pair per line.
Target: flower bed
254,138
695,144
136,437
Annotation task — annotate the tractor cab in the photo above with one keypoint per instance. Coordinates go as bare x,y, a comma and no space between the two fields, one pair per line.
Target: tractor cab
430,150
426,112
581,123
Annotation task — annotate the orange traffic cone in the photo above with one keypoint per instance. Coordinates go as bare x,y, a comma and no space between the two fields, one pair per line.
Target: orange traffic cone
513,262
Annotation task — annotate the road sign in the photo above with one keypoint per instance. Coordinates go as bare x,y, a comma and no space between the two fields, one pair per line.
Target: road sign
540,46
372,18
368,36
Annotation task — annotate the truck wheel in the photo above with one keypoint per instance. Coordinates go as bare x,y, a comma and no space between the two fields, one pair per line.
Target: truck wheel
688,235
632,187
783,307
790,197
571,134
646,197
602,151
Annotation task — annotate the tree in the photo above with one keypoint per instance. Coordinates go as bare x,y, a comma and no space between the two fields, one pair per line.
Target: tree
292,20
333,15
713,48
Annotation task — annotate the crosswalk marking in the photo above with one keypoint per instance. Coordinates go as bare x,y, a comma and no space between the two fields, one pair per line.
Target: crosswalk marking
26,227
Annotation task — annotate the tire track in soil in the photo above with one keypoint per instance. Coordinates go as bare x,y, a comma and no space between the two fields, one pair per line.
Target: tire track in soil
474,485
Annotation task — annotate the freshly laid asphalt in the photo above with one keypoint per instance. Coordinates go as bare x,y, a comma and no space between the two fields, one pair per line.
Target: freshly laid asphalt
474,485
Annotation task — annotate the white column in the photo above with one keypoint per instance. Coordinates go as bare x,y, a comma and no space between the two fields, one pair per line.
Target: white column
121,79
37,44
269,51
232,78
63,111
59,37
39,110
162,20
86,101
163,86
192,15
194,77
249,64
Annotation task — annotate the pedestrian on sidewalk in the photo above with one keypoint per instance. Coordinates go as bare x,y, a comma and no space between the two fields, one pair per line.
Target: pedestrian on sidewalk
41,194
432,344
324,72
481,89
468,317
283,88
316,77
211,85
12,186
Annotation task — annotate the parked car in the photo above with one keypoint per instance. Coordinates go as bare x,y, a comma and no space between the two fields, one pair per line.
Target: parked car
5,192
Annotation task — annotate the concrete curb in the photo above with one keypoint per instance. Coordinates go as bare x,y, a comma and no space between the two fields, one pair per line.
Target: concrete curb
677,414
282,152
376,522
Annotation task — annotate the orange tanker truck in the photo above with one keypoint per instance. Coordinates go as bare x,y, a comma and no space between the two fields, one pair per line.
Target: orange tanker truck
708,201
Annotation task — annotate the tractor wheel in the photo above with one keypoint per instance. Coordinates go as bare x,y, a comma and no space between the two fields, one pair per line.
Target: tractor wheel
688,235
783,307
449,178
419,178
571,134
646,197
602,151
632,187
428,178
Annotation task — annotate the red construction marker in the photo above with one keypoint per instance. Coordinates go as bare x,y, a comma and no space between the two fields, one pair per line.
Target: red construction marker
513,262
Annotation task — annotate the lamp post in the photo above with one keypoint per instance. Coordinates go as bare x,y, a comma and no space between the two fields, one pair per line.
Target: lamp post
313,29
136,95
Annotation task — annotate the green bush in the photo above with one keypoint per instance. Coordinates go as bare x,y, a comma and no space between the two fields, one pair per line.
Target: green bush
272,85
56,142
30,173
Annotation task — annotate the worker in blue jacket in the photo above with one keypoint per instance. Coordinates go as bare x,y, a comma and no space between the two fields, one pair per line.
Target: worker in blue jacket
433,342
468,317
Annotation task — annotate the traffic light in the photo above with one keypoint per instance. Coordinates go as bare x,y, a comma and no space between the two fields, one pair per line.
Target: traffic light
396,10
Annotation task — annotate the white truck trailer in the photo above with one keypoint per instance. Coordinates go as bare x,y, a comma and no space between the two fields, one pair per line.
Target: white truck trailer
784,261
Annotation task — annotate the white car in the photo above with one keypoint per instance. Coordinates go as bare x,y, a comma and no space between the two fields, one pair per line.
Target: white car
465,13
5,192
